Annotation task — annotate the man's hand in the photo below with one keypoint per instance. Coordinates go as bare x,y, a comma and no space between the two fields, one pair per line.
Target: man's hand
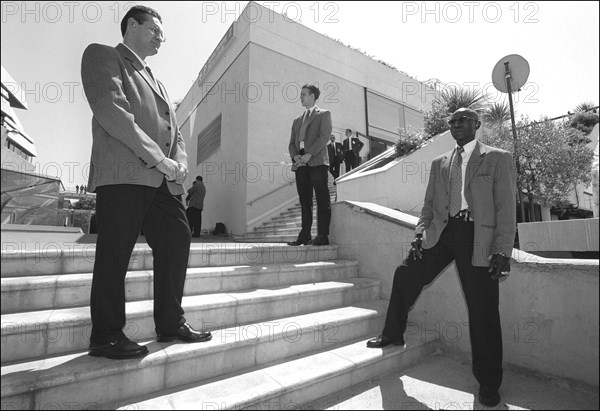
182,173
298,160
305,158
499,266
169,168
416,250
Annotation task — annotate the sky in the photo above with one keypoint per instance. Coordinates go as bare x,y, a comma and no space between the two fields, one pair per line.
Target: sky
455,42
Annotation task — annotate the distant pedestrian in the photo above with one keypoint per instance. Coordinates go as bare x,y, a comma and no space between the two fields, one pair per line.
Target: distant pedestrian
77,189
195,200
336,153
352,147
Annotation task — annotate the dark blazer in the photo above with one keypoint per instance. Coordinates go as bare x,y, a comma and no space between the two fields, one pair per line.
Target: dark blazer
335,154
133,125
318,132
490,190
350,152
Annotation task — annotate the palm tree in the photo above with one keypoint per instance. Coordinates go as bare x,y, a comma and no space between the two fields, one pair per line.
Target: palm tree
456,97
587,105
450,100
497,113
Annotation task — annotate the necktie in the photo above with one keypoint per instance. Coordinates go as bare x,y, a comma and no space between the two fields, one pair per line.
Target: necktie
302,134
151,75
456,182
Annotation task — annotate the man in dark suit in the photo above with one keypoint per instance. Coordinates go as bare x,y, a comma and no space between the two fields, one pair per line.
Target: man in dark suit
335,152
137,169
308,141
469,217
352,147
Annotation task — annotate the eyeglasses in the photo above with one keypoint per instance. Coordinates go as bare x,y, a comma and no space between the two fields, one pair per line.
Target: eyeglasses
461,120
158,33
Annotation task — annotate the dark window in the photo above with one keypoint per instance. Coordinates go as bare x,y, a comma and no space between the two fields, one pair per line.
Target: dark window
209,140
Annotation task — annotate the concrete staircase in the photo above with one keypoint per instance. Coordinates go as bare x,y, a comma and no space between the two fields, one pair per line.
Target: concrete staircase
285,226
289,326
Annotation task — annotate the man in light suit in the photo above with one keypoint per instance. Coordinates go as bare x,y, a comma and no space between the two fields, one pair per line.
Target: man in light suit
469,217
138,165
308,150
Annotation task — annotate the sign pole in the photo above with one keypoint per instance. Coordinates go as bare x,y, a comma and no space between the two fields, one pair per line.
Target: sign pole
507,77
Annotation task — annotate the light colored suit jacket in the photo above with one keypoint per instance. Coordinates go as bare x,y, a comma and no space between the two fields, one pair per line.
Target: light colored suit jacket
133,125
490,190
318,132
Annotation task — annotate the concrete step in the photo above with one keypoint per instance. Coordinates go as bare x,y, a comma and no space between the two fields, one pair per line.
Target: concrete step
285,385
267,238
295,222
91,381
56,332
22,294
81,259
297,219
280,231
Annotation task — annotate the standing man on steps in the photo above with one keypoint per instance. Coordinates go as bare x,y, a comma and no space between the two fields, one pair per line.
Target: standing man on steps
469,217
137,169
308,150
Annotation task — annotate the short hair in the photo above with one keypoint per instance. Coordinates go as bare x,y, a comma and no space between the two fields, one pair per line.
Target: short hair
313,90
199,178
140,14
349,130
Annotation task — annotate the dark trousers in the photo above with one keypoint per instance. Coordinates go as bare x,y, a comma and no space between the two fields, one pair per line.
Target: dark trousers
351,162
334,169
194,216
122,211
481,293
308,179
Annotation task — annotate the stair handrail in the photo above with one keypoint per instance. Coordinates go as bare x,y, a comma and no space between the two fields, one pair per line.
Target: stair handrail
386,154
289,183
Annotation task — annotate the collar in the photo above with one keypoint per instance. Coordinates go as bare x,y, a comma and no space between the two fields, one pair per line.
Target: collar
142,62
310,110
469,147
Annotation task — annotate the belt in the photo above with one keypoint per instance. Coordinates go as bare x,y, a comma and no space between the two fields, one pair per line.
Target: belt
464,215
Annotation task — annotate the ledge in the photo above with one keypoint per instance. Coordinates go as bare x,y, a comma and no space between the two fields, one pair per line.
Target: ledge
41,228
385,213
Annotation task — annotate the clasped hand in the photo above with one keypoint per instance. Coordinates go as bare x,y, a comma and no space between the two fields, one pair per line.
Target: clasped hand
173,170
499,266
416,251
301,160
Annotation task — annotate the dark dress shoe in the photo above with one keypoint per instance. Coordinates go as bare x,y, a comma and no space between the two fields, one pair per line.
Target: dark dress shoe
320,240
118,350
185,333
300,241
488,396
382,341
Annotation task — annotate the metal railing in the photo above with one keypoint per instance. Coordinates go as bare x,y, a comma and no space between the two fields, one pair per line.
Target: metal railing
269,192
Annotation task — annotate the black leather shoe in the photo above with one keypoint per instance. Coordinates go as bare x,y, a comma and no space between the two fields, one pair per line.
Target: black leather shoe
488,397
118,350
299,241
320,240
185,333
382,341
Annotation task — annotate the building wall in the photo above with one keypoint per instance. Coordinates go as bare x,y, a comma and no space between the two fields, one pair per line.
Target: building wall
223,171
265,54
